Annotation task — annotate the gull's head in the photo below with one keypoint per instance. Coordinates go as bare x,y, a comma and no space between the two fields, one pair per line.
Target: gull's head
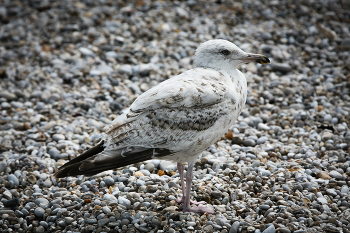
224,55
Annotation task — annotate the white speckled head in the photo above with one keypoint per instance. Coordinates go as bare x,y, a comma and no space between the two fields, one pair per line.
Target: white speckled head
224,55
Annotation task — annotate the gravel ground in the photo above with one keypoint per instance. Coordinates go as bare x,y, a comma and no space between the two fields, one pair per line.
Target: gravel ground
67,68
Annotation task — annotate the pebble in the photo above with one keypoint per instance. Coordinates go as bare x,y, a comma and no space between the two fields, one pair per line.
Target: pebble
3,166
68,220
270,229
281,67
248,142
124,201
262,140
234,228
39,212
58,137
110,197
108,180
336,174
14,179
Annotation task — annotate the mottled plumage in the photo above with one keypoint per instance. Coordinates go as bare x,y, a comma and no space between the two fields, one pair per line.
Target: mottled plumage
177,119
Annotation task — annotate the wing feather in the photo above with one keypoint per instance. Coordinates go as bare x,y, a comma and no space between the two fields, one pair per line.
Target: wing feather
183,105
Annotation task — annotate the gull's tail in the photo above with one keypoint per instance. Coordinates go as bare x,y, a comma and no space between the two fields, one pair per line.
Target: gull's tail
98,159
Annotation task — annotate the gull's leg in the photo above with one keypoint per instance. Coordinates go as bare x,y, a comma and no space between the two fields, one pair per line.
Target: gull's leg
187,207
180,168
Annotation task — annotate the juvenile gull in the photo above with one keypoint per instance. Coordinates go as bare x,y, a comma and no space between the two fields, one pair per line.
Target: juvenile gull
177,119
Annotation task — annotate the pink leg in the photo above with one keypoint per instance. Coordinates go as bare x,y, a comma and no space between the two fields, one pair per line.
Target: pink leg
187,203
180,168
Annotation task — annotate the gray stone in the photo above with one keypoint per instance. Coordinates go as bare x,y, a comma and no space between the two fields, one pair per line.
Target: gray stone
249,142
125,69
262,126
345,189
106,210
14,179
149,167
264,207
234,227
216,194
145,172
110,197
327,118
270,229
68,220
8,95
3,166
281,67
54,153
91,220
322,200
102,222
39,212
336,175
40,229
86,52
108,180
262,140
58,137
125,202
7,194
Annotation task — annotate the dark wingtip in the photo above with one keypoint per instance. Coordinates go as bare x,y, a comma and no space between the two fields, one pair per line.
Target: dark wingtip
72,167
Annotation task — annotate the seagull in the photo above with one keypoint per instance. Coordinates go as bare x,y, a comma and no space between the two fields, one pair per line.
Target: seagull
176,120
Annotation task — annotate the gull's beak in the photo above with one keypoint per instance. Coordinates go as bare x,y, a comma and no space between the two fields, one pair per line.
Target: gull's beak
259,58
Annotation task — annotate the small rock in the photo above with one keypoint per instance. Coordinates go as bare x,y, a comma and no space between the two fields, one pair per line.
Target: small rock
270,229
11,203
68,220
322,200
281,67
345,189
138,174
39,212
336,175
102,222
14,179
326,135
110,197
234,227
262,126
249,142
106,210
54,153
150,167
125,202
323,175
125,69
108,180
3,166
8,95
262,140
58,137
86,52
40,229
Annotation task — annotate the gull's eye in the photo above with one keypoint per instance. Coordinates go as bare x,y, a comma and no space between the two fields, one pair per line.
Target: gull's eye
225,52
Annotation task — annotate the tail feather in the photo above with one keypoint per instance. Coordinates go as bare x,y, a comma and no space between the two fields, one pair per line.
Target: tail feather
97,160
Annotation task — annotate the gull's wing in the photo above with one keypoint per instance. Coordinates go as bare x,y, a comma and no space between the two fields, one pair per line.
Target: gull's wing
174,110
165,120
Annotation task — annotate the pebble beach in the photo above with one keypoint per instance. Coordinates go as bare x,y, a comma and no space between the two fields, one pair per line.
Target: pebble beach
68,68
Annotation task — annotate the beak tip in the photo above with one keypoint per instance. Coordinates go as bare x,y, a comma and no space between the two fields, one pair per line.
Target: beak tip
263,60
